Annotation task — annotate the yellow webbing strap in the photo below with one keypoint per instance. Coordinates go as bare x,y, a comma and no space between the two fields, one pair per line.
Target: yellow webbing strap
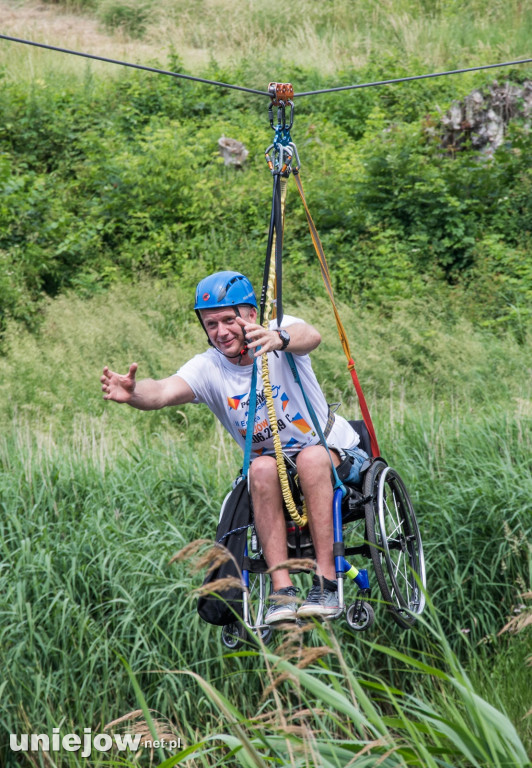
300,520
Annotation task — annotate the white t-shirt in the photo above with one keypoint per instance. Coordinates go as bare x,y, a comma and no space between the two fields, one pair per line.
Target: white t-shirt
225,388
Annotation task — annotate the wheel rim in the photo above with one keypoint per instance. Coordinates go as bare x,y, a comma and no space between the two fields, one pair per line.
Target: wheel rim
400,545
366,619
232,636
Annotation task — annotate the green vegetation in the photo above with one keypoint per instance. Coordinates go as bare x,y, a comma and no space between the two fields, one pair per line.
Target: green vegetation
330,36
113,202
96,499
118,181
89,535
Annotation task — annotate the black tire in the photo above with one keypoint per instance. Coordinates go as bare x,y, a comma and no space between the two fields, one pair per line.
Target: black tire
266,634
395,544
234,636
361,619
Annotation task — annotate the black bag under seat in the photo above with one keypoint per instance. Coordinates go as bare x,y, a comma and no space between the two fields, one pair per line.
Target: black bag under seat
222,607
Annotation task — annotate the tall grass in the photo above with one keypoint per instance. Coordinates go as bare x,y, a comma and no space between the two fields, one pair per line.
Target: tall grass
321,711
63,25
86,545
86,577
329,37
96,499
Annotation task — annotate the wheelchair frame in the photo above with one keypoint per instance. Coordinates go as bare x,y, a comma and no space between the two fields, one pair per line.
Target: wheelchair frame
376,521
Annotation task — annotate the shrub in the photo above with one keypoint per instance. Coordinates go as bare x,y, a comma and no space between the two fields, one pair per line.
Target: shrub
101,181
131,16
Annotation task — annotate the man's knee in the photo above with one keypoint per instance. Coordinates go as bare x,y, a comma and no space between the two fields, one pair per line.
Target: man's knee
313,458
263,471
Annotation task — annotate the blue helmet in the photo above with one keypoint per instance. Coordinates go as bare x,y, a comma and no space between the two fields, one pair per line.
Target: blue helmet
224,289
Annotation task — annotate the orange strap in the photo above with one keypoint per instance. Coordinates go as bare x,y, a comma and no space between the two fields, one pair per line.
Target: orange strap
341,330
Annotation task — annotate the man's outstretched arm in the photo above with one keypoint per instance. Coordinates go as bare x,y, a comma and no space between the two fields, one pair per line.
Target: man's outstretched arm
146,394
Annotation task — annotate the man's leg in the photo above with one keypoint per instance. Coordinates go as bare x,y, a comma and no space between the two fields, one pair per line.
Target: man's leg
269,517
314,470
271,530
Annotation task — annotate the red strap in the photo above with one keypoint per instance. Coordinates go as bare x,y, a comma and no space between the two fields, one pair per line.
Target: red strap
364,408
341,331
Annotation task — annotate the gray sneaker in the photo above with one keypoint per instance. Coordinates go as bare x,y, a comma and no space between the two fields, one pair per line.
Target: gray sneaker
322,600
284,606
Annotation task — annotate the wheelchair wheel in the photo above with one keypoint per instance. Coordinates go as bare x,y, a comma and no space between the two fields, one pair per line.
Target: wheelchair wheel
234,636
395,544
266,634
360,616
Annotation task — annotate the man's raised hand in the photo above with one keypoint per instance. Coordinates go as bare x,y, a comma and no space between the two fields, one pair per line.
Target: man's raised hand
259,339
119,387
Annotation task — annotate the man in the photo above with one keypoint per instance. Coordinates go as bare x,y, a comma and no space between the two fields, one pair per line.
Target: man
221,377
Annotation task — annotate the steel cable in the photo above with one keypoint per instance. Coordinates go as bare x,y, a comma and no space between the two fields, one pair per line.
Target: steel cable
254,90
411,77
134,66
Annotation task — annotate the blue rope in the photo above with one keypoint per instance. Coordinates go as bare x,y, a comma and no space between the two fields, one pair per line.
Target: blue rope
251,419
337,482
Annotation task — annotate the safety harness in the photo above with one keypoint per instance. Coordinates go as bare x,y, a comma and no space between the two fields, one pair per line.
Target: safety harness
283,160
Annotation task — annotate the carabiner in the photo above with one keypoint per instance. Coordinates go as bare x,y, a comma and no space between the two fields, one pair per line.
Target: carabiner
290,124
268,157
295,154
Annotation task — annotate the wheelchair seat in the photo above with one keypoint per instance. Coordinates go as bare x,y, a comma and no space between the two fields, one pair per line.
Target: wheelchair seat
365,442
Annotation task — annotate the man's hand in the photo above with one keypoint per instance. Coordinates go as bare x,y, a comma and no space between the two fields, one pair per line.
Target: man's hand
146,394
257,336
119,387
303,338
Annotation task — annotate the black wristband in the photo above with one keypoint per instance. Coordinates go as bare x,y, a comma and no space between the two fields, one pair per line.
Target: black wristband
284,336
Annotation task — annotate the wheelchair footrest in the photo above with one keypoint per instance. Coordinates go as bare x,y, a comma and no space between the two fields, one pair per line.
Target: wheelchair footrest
254,565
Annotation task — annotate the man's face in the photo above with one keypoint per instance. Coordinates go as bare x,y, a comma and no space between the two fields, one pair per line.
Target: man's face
224,331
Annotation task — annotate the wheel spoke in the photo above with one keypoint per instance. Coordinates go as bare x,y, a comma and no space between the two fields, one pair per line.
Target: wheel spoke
402,570
396,520
395,543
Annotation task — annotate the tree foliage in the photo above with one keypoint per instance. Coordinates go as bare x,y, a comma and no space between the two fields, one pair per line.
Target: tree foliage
106,181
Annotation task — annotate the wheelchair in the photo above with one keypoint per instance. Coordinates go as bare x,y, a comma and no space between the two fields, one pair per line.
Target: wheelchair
375,521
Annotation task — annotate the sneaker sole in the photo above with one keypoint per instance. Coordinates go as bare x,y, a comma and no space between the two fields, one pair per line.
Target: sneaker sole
318,611
280,616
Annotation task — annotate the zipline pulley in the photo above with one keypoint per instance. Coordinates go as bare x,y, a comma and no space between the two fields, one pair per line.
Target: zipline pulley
281,153
281,92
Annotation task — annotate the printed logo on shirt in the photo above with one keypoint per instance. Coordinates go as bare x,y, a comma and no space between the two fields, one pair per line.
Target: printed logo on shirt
262,430
260,426
293,443
234,402
284,400
299,422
